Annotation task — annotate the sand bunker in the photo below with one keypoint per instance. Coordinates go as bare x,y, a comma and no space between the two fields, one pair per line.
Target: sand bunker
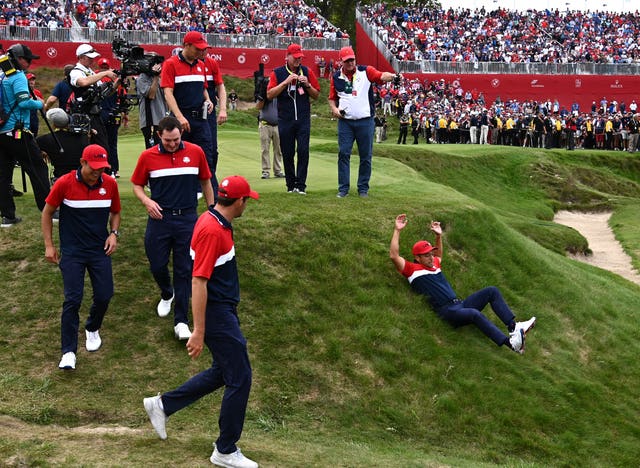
607,251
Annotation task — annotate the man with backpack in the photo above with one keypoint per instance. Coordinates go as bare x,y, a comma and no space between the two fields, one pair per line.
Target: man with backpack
16,139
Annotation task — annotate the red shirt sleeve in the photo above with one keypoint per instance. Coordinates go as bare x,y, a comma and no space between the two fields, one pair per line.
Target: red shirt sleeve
205,250
313,81
204,172
115,199
273,81
140,174
333,96
56,195
215,71
375,76
168,75
408,269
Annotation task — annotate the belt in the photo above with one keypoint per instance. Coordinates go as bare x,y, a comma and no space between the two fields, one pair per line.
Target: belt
264,122
178,212
192,113
451,302
195,113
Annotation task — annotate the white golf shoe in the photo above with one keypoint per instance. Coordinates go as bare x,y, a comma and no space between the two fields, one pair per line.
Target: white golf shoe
526,326
182,331
232,460
93,340
516,339
68,361
164,306
157,416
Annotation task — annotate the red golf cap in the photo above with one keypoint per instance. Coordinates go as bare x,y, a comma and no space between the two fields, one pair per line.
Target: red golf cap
347,53
236,187
195,38
96,156
295,50
422,247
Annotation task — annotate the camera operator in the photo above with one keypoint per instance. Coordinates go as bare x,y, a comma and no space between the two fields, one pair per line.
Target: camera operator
16,140
112,115
71,142
86,86
151,106
268,128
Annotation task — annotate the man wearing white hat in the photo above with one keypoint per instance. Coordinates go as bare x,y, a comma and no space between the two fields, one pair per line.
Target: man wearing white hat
83,81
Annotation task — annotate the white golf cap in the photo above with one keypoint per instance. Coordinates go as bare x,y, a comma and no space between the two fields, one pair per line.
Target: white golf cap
88,50
58,117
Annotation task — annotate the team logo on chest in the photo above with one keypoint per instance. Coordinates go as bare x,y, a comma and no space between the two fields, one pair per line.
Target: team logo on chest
102,191
186,160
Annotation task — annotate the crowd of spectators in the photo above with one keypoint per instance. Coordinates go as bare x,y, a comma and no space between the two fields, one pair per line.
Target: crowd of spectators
249,17
438,112
29,13
502,35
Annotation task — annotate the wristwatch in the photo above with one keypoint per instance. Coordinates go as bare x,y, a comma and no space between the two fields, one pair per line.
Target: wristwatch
115,231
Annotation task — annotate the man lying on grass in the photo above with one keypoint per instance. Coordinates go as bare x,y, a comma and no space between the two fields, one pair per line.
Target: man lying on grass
426,277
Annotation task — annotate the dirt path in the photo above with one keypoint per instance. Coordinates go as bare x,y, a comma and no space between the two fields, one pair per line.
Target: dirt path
607,251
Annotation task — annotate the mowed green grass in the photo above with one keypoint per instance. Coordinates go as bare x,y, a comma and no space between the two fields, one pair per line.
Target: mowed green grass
350,367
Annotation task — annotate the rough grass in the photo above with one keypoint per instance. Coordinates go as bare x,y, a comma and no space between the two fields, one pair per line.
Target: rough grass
351,368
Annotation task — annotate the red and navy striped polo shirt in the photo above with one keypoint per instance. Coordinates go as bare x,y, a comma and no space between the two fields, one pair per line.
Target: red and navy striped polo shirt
173,178
84,212
214,257
430,282
187,80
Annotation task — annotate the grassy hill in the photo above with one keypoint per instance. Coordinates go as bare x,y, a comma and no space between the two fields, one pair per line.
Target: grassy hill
351,368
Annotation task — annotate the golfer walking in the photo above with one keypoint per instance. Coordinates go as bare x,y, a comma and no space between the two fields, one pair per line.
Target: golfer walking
215,296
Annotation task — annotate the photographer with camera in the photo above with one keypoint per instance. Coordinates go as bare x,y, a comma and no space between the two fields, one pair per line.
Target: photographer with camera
296,85
64,149
89,91
151,105
268,128
113,112
352,103
16,140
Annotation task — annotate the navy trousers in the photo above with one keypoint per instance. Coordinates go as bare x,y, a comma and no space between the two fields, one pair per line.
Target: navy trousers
295,133
468,312
213,162
163,236
101,276
230,368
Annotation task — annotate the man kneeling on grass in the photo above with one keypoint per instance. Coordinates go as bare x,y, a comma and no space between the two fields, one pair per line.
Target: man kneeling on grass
426,277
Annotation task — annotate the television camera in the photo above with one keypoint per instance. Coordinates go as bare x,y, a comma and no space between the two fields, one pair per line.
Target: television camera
260,84
133,58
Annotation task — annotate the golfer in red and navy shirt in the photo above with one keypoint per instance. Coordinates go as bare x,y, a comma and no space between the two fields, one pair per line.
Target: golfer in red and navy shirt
184,82
174,170
215,296
88,201
426,277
